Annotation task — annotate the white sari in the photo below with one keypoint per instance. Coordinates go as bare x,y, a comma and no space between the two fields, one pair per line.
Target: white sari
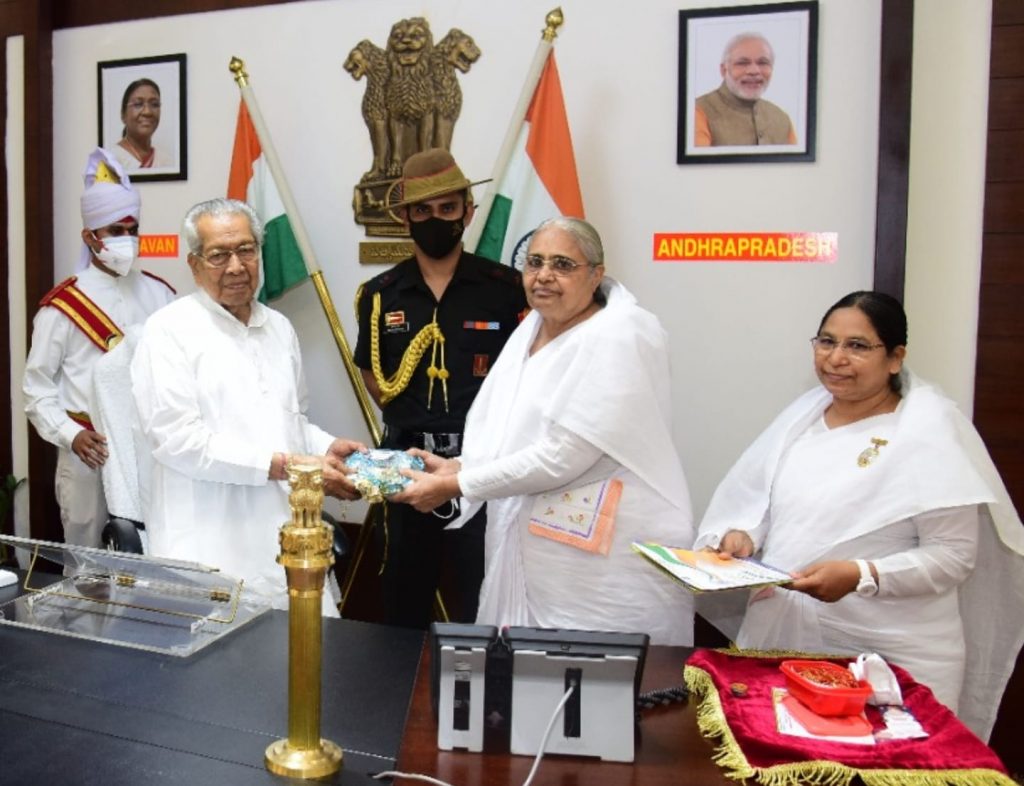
607,381
966,637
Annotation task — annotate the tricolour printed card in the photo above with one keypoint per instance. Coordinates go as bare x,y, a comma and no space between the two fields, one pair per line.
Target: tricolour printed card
708,571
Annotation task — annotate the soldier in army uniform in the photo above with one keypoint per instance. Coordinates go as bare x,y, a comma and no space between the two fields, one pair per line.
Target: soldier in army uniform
430,328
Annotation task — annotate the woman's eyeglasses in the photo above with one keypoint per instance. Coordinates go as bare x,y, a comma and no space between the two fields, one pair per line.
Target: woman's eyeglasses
852,347
560,266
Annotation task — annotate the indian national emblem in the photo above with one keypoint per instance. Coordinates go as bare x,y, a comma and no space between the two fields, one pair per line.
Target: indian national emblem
411,103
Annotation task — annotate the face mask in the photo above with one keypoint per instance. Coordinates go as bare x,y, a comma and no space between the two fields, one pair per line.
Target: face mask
436,237
118,253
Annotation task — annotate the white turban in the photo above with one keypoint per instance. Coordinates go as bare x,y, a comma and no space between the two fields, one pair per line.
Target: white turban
108,196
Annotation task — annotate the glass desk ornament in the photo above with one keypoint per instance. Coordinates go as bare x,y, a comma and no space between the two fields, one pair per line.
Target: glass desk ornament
129,600
378,473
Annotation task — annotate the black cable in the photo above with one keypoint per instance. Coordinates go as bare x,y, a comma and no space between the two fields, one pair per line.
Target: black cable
662,697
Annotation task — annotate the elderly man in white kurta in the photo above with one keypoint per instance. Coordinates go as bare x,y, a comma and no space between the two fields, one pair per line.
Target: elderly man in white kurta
79,321
218,383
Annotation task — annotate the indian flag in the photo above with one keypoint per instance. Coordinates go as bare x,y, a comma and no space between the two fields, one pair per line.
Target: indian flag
252,181
540,180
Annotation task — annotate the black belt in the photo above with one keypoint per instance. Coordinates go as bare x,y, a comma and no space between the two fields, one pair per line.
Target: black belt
442,444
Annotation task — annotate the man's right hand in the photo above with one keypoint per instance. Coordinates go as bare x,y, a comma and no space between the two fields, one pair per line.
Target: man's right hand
91,448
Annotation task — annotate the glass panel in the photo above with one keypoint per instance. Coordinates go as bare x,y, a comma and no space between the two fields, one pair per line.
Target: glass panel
131,600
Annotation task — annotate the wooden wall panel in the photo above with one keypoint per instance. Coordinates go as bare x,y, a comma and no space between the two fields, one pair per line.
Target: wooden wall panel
1006,103
1004,203
1002,258
893,177
999,380
38,30
6,435
1007,44
1001,304
79,13
1004,160
1007,12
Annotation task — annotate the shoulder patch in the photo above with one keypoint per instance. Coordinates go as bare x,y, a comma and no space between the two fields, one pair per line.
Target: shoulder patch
506,273
67,282
496,271
377,283
155,277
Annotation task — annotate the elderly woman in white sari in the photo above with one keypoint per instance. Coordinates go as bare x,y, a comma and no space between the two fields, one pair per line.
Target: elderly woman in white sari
881,498
569,444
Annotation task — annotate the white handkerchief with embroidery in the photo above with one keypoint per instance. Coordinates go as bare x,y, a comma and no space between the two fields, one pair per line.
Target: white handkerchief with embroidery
583,518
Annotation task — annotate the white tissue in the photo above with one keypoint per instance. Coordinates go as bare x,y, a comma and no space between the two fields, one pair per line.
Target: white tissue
7,578
871,667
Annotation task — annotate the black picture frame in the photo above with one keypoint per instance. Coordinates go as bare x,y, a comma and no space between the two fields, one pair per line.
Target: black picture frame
170,138
791,30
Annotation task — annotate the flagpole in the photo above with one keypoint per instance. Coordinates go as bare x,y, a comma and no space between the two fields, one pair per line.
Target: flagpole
552,22
237,67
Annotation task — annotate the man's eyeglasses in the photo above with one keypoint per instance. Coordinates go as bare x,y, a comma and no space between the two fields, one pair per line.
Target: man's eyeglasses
852,347
139,104
220,257
560,266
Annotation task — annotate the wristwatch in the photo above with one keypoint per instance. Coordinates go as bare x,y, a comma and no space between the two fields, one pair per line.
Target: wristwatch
867,586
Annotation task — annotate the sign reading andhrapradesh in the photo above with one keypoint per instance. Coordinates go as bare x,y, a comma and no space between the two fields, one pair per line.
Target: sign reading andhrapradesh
746,246
158,245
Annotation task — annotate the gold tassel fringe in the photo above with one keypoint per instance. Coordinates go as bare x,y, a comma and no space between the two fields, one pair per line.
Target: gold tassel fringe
729,756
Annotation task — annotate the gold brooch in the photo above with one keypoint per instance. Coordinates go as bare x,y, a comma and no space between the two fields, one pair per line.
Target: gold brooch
870,454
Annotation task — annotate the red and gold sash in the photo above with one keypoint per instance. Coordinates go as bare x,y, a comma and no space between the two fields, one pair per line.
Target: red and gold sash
87,316
82,419
155,277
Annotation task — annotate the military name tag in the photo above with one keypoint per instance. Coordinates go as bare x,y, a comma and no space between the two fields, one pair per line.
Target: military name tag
394,322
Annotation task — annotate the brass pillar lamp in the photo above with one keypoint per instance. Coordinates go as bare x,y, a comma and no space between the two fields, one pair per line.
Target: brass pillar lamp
306,556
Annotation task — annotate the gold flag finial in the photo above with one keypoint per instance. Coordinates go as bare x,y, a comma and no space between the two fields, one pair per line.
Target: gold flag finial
237,67
553,21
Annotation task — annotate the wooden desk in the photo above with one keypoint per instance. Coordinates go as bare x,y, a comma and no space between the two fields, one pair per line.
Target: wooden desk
669,751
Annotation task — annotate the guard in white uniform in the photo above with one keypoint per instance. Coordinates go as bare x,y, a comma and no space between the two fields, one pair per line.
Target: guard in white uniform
78,321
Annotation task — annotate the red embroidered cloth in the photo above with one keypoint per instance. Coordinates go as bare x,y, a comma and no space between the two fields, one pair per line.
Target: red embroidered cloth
751,719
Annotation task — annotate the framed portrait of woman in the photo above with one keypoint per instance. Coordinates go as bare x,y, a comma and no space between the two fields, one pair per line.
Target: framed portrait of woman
142,115
747,83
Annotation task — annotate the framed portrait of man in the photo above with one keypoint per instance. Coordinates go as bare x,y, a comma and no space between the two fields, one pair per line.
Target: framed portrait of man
747,83
142,115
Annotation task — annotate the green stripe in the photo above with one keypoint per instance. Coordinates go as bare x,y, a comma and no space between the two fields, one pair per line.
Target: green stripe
493,237
662,552
283,267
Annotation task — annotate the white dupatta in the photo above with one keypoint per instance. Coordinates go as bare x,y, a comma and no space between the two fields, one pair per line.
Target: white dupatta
937,461
612,391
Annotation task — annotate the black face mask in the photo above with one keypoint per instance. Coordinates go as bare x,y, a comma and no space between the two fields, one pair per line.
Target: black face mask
436,237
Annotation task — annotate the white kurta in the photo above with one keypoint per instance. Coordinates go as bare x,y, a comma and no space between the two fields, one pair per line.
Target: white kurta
929,511
596,402
58,379
216,399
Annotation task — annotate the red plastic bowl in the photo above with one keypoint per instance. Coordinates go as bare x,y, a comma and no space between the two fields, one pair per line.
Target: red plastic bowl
828,700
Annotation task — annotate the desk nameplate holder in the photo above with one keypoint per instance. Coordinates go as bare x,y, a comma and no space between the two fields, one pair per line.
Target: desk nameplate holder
597,721
129,600
496,691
